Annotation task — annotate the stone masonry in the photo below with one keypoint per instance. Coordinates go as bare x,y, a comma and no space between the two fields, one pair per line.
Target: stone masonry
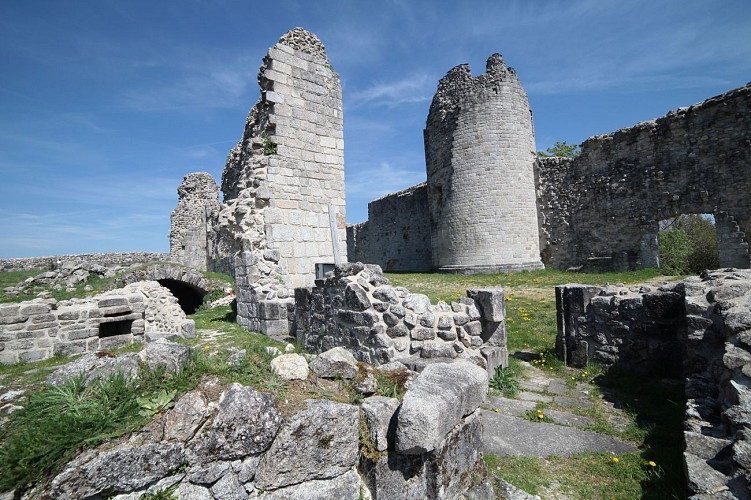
601,209
53,262
698,330
396,234
42,328
196,210
288,169
356,307
480,153
283,183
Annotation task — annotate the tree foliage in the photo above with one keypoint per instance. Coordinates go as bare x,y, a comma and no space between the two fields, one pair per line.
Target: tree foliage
688,245
563,149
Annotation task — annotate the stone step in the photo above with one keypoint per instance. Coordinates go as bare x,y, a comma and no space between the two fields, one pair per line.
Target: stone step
507,435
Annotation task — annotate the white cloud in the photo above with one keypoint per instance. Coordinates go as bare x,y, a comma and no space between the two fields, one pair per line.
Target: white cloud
414,88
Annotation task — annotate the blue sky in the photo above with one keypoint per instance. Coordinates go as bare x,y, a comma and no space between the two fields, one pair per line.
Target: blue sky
106,104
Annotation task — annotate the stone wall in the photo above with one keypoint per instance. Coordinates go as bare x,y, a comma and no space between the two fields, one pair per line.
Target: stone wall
698,330
480,154
283,183
197,209
356,307
42,328
641,328
396,235
285,178
601,210
53,262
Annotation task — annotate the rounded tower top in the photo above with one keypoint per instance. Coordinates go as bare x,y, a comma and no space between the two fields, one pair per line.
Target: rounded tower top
304,41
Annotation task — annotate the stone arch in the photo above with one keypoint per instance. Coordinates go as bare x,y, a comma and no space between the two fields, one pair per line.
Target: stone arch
188,286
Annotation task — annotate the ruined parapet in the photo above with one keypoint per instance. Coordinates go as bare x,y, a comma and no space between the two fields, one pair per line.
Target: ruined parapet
357,308
480,152
42,328
197,208
288,168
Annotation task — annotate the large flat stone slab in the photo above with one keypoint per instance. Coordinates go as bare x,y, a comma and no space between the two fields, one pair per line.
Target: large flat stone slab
506,435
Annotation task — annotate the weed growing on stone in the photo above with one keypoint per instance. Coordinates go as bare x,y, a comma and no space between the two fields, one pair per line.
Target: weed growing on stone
506,380
538,415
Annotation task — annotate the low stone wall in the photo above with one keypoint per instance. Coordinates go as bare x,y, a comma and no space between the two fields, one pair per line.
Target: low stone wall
357,308
42,328
234,443
53,262
699,330
641,328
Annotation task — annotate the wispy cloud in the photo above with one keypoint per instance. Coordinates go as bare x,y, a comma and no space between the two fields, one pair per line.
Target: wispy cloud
376,181
414,88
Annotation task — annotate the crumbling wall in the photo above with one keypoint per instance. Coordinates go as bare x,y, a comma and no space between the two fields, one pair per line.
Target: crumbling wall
698,330
235,443
52,262
357,308
287,170
600,210
396,235
641,328
283,183
197,209
42,328
480,153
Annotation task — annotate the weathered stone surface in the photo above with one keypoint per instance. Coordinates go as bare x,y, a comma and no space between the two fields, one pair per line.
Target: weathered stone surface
346,487
318,443
417,302
229,488
122,469
452,390
245,424
379,412
335,363
396,476
187,491
490,302
184,419
168,355
210,473
290,366
457,463
701,477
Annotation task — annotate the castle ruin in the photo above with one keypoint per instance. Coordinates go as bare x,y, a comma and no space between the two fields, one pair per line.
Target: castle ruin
490,203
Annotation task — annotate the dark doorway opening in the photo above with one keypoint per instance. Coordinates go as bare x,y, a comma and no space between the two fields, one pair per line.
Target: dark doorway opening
188,296
113,328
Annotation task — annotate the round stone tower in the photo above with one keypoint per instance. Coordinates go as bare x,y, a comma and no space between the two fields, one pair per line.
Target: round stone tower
480,153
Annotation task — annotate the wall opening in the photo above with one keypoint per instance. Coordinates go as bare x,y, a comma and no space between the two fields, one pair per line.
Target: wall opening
688,243
188,296
113,328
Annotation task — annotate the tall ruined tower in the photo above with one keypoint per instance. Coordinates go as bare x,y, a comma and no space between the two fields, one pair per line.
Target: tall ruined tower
480,153
285,178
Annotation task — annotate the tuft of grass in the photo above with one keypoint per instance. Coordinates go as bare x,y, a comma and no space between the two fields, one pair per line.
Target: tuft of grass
58,421
392,383
538,415
506,380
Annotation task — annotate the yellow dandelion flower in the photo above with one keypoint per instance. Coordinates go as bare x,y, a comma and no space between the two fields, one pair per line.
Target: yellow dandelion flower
616,460
652,464
540,416
205,347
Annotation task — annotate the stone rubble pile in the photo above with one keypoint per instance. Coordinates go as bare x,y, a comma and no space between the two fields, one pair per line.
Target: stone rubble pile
66,277
233,443
357,308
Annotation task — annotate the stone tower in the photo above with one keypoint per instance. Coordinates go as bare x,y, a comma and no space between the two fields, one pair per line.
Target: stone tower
287,171
480,153
197,207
